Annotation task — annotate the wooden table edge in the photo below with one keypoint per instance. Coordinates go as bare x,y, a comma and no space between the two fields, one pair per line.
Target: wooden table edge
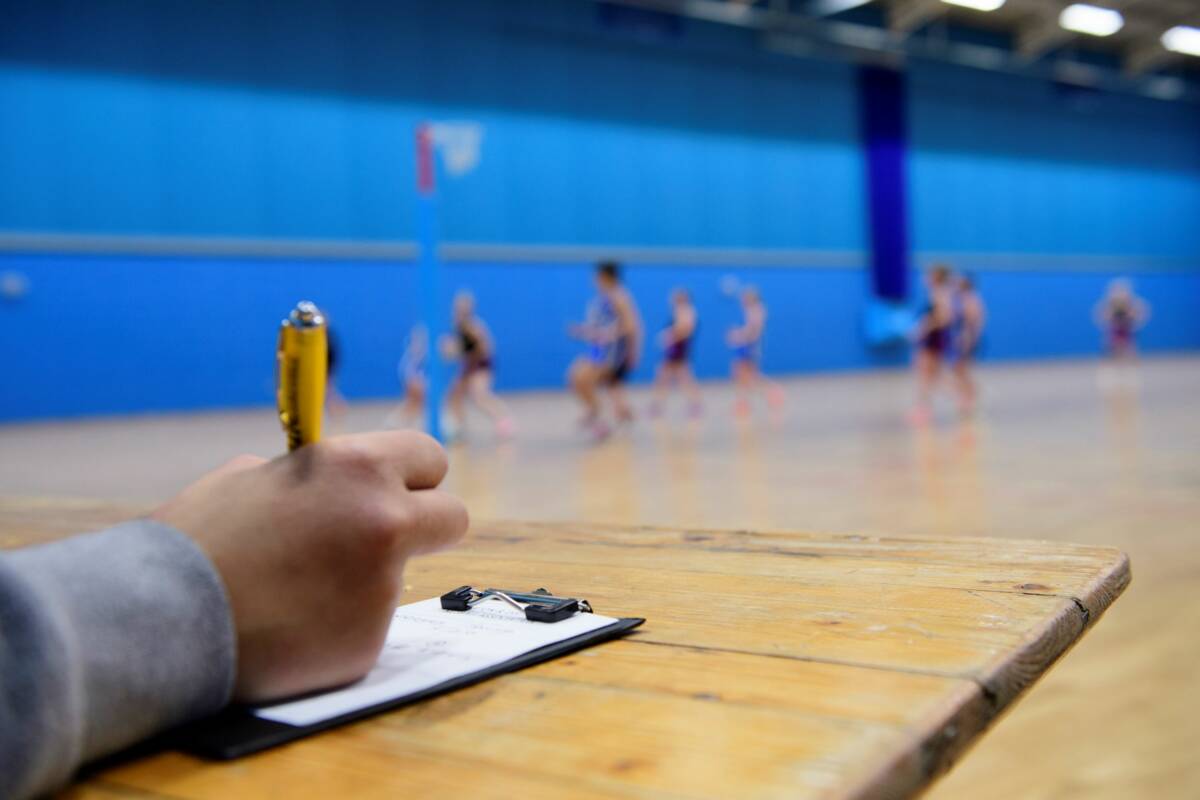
942,742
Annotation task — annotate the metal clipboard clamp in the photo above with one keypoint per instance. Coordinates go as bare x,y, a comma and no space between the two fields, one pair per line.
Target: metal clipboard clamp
538,605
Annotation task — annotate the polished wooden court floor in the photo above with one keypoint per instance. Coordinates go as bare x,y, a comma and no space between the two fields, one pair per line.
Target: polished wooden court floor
1071,451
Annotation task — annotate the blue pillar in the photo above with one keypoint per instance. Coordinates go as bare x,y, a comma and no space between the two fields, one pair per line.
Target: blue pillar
881,98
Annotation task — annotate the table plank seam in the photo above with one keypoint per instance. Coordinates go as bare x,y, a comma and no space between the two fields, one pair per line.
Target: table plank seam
723,701
775,550
1015,590
881,539
126,790
836,662
883,583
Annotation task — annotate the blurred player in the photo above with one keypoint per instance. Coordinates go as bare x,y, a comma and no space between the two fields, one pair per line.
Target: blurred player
932,335
676,368
472,345
613,332
412,377
969,318
1121,314
745,341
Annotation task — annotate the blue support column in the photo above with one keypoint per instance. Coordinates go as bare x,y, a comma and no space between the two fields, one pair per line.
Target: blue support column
881,95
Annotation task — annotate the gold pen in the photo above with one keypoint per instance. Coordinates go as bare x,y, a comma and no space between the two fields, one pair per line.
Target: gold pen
301,370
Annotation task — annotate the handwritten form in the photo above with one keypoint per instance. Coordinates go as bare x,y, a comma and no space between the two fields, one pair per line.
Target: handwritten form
427,646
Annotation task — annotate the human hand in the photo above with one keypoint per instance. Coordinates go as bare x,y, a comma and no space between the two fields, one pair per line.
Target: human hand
311,548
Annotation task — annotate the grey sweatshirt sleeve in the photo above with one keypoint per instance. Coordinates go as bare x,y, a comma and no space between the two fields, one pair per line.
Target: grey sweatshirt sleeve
105,639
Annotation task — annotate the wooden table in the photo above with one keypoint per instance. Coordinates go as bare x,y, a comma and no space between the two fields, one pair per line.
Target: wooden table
771,665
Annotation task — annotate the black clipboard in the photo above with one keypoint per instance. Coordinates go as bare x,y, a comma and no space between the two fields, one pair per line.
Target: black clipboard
237,732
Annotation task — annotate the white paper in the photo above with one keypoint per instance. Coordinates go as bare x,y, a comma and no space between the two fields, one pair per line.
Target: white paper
427,646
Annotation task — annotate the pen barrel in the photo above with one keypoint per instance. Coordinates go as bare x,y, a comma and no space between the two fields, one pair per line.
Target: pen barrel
303,362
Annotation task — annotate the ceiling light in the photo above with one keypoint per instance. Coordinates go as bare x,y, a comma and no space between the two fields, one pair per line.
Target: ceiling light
1183,39
977,5
1092,20
827,8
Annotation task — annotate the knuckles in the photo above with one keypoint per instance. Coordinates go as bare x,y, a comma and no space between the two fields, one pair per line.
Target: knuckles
361,487
353,462
425,449
382,525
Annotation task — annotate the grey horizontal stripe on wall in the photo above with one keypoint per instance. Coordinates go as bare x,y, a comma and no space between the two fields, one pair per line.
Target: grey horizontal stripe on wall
229,247
1058,262
653,256
476,252
234,247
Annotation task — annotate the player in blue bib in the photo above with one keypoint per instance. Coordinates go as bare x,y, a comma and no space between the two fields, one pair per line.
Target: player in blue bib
613,333
745,344
413,380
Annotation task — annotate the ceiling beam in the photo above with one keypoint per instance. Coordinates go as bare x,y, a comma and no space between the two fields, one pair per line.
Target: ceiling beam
807,36
1146,56
1037,38
906,16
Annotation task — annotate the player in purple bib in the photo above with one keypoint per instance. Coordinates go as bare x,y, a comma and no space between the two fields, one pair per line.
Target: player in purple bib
676,369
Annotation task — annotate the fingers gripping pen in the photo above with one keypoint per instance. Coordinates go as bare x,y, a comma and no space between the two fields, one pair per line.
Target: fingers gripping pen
301,363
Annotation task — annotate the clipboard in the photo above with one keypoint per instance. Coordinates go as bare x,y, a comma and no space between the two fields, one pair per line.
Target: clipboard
243,730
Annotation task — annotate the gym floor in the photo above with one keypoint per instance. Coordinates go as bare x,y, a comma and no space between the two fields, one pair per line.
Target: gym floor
1073,451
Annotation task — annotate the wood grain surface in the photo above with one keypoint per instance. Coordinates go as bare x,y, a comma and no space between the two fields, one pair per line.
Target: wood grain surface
772,664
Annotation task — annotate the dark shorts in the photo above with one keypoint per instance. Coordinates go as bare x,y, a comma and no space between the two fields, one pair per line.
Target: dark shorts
619,362
677,353
617,373
473,365
935,341
1120,338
